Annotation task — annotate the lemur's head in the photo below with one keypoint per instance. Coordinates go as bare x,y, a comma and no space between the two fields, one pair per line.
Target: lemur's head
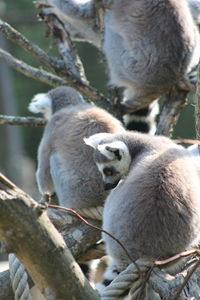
54,100
111,156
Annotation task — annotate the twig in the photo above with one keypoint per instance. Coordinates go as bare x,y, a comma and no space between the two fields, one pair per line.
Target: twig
60,68
163,262
7,182
181,140
96,228
26,121
53,80
172,106
99,14
187,278
29,71
16,37
66,48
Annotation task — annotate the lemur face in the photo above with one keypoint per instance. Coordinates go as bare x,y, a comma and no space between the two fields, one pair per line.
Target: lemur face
112,159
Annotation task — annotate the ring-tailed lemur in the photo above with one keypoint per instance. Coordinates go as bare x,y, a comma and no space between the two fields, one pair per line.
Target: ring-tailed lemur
65,163
149,46
154,210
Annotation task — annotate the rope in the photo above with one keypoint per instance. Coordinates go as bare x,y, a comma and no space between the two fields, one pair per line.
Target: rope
129,278
91,212
19,278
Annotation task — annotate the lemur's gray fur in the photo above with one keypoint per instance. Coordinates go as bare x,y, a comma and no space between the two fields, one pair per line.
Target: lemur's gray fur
154,210
65,163
150,45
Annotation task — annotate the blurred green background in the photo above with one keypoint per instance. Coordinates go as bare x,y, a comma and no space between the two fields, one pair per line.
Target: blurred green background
18,145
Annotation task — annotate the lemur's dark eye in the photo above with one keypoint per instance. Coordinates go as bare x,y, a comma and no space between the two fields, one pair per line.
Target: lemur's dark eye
108,172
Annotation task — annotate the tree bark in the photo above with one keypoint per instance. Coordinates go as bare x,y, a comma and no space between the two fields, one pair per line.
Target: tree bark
173,103
40,247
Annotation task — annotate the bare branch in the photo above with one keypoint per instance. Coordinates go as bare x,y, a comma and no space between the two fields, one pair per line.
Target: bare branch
174,101
53,80
29,71
68,52
25,121
40,247
16,37
65,46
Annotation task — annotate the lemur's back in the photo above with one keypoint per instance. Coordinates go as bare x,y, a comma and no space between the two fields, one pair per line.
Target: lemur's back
159,38
155,212
69,127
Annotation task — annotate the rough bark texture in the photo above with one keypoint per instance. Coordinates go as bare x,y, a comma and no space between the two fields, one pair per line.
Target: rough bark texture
174,101
40,248
25,121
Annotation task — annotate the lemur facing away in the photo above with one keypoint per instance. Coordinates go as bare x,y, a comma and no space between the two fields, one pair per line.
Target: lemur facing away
154,210
65,163
149,47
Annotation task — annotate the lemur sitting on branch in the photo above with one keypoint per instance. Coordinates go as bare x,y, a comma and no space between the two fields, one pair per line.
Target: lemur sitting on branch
153,208
149,46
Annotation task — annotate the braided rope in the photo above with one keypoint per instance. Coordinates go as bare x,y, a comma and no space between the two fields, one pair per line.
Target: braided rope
19,278
94,213
129,278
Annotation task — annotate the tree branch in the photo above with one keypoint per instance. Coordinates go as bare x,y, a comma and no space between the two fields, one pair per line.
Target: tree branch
69,54
29,71
80,239
40,247
16,37
26,121
65,46
59,67
174,101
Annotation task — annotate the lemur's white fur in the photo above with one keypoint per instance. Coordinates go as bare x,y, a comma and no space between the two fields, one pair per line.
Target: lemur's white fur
41,103
94,140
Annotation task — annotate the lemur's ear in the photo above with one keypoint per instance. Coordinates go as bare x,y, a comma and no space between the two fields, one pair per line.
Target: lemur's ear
115,150
95,139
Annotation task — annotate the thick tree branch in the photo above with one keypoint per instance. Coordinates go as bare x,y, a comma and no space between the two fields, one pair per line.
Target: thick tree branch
26,121
80,239
174,101
40,247
29,71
